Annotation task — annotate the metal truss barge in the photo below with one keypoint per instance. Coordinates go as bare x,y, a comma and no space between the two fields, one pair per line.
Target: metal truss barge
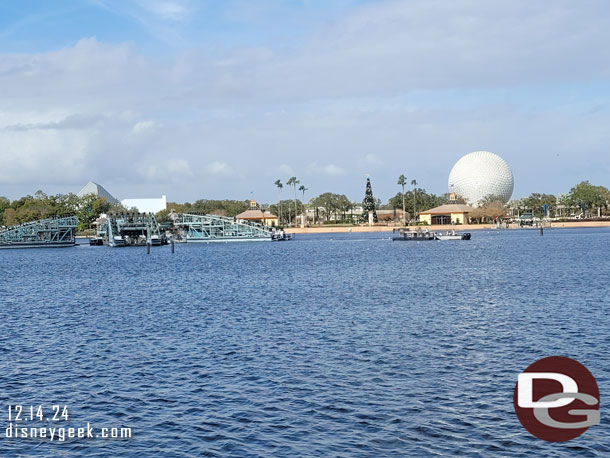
212,228
130,229
45,233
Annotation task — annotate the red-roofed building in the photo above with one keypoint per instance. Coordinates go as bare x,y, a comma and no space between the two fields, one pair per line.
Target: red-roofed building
255,214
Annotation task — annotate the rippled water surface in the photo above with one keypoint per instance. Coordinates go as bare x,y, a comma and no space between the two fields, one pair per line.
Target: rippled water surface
329,345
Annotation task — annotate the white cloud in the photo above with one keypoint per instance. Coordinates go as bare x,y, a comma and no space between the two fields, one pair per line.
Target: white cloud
315,168
285,169
371,161
343,100
333,170
179,167
145,126
170,10
149,171
42,156
220,168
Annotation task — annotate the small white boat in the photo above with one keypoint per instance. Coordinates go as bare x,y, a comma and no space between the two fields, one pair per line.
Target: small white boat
117,241
452,235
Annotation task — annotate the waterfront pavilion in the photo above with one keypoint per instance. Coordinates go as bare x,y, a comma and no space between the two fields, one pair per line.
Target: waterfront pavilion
447,214
255,214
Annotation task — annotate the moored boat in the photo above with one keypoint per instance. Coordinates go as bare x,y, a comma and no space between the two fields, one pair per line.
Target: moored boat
452,235
281,236
117,241
405,234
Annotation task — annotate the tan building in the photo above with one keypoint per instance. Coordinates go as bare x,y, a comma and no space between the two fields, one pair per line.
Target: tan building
390,215
256,215
447,214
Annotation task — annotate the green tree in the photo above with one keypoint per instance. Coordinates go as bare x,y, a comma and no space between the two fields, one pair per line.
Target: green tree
118,207
30,208
65,204
302,188
327,201
40,206
331,204
420,198
491,208
4,204
536,202
91,207
344,205
588,197
414,184
10,217
226,207
163,215
279,185
282,209
292,181
402,181
368,204
488,199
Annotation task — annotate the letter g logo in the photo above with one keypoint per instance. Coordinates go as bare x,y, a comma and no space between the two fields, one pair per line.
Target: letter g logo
550,395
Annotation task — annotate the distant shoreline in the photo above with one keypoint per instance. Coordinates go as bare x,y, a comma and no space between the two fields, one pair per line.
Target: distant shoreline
463,227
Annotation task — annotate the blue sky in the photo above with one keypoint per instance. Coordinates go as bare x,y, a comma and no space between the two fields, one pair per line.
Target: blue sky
214,99
157,26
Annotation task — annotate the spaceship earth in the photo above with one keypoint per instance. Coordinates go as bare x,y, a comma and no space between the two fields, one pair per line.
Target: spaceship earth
480,174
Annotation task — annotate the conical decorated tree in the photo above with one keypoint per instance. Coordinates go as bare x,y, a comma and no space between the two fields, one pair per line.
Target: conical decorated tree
368,205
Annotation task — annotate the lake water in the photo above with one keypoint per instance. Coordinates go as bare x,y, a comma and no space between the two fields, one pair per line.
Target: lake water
329,345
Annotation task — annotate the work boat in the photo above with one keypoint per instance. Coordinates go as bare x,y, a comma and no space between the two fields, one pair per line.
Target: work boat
452,235
404,234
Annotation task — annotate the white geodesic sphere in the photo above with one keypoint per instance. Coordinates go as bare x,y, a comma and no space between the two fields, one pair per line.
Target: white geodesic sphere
480,174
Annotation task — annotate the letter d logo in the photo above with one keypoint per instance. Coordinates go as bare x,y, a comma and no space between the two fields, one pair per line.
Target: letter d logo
526,389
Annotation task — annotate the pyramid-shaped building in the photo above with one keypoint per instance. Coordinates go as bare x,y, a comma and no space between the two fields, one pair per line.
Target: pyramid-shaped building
98,190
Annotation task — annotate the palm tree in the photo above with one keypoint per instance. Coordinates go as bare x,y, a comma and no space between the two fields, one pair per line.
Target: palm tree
302,188
279,185
292,181
414,183
402,181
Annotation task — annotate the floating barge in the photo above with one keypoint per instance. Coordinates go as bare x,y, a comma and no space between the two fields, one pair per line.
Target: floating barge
213,229
138,229
129,229
56,232
418,235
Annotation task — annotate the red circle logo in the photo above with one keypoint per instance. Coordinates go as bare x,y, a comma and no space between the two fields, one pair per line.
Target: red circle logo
556,399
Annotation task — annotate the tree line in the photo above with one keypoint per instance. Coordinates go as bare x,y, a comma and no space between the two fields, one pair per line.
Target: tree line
41,206
584,199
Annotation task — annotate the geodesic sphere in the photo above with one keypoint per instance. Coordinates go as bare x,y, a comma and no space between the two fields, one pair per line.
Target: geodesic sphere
480,174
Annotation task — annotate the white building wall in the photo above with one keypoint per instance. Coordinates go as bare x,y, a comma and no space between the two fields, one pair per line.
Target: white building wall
146,205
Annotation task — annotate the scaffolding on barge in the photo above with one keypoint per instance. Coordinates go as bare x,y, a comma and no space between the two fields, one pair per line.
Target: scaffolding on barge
130,229
213,228
45,233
